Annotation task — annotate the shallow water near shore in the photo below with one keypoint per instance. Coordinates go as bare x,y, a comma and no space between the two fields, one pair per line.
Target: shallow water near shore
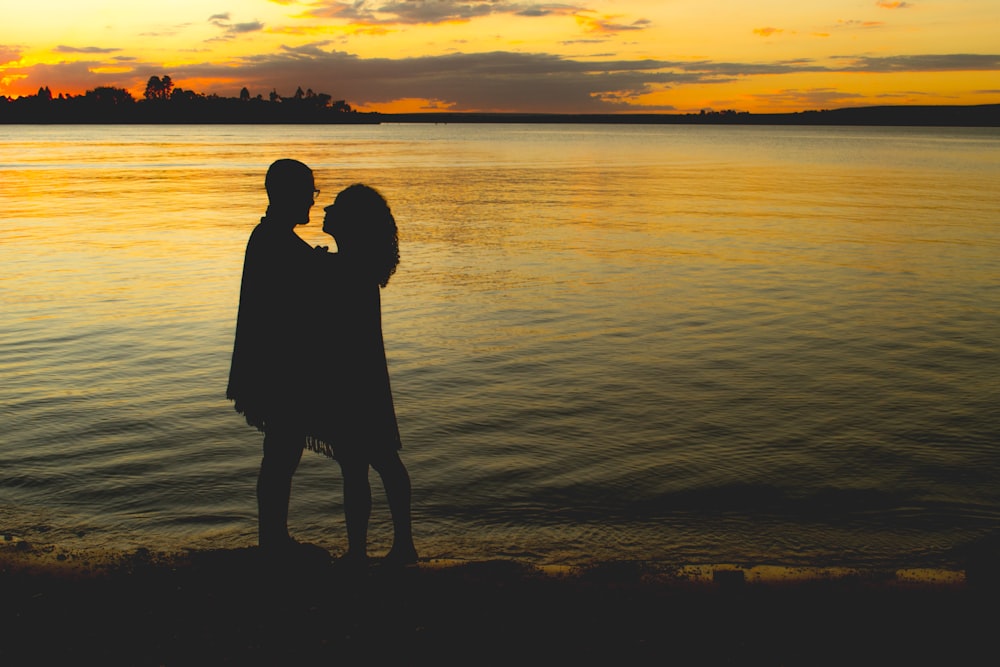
679,344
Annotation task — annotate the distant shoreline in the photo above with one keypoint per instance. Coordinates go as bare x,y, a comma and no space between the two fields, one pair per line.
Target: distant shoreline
983,115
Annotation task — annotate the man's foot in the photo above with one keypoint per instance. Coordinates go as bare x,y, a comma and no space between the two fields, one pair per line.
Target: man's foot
276,547
352,560
289,550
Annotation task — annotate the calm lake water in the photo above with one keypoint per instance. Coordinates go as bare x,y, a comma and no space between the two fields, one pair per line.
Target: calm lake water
682,344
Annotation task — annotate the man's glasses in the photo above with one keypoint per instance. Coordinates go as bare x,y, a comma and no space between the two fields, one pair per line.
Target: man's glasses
315,194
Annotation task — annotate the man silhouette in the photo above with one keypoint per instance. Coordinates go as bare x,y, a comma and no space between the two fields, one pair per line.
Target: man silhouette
266,378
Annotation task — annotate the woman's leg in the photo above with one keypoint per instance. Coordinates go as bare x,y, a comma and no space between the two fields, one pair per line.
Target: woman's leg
396,481
357,505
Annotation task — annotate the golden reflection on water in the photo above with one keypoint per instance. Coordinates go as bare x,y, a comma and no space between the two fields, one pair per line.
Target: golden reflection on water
582,317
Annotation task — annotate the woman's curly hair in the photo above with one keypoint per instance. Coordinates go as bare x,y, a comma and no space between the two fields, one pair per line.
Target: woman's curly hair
366,214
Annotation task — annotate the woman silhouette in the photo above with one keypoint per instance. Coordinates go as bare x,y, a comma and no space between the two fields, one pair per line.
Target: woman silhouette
358,421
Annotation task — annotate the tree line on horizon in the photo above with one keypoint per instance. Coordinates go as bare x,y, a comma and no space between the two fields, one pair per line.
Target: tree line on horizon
163,102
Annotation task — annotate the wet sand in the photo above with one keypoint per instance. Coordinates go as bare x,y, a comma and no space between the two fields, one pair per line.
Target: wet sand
233,607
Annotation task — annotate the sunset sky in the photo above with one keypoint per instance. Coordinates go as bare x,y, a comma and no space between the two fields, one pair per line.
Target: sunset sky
586,56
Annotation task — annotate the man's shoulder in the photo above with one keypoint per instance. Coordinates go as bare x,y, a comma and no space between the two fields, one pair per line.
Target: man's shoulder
260,231
276,237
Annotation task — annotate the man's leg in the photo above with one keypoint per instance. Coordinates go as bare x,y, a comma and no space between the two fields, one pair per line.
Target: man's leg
357,505
282,453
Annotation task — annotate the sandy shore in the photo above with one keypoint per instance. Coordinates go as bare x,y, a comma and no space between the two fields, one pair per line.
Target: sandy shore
232,607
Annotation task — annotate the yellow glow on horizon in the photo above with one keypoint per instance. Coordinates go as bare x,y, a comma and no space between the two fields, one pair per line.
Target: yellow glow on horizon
407,105
111,69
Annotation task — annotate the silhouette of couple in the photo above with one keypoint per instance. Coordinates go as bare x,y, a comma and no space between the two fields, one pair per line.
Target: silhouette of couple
309,367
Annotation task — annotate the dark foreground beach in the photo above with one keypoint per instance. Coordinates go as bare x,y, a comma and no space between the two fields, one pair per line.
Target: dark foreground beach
231,607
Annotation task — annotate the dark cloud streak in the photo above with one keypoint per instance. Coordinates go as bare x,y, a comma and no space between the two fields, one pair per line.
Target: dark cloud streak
407,12
957,62
230,29
84,49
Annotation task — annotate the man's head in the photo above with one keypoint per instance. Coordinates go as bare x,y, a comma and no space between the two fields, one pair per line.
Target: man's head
290,190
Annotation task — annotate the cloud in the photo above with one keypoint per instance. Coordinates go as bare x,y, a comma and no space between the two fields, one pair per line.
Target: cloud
406,11
547,10
956,62
886,4
417,12
854,23
231,29
251,26
609,26
60,77
84,49
810,98
9,54
425,12
166,31
727,71
766,32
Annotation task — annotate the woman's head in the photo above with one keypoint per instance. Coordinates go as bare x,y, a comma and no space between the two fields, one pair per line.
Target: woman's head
362,224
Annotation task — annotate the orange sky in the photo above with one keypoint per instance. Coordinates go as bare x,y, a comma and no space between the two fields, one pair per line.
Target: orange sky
498,55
